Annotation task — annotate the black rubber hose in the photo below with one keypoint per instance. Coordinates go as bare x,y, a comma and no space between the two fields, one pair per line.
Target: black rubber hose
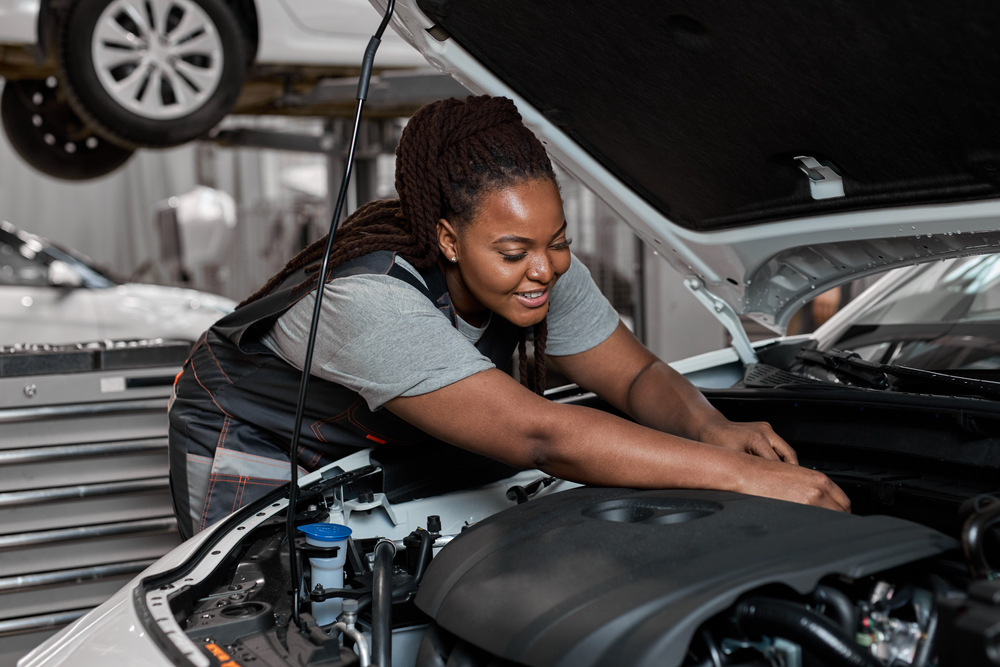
973,536
382,605
402,593
839,606
816,633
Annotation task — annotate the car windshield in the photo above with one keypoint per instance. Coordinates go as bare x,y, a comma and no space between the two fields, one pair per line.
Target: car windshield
945,317
25,260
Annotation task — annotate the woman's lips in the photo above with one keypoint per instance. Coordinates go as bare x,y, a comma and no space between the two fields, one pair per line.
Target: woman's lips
533,299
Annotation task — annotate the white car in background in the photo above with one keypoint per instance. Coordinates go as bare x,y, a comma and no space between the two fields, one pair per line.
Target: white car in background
88,81
55,296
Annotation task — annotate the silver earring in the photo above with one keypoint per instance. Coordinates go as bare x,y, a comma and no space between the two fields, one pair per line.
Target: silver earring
455,258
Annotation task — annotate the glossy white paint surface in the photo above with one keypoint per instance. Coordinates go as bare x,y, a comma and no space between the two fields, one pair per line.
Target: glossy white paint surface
110,634
18,21
327,33
133,311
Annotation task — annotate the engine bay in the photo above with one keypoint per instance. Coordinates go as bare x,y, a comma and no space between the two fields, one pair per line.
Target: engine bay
523,570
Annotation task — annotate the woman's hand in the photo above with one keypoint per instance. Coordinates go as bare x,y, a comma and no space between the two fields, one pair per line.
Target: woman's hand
757,438
774,479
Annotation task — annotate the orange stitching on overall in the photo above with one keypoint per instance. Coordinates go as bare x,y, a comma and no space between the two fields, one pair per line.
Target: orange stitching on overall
223,433
314,460
209,348
214,478
323,422
236,496
193,370
208,502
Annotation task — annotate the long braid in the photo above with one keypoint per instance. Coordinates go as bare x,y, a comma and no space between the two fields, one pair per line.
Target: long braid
541,338
522,359
450,154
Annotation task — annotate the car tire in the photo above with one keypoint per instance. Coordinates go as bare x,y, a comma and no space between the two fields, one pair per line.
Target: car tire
152,73
49,136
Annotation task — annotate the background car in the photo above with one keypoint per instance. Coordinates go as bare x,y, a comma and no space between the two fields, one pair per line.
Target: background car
51,295
89,81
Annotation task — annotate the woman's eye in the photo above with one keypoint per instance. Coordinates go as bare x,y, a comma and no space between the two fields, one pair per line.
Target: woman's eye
513,258
563,244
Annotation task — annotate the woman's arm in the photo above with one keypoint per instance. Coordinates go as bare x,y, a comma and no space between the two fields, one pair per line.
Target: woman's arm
626,374
491,414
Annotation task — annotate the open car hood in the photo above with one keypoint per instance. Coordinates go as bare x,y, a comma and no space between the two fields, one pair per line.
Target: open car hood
767,152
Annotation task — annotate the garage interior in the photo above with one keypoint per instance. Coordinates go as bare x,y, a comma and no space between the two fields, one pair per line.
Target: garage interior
84,500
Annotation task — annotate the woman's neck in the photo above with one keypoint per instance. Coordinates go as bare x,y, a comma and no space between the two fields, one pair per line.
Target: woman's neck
465,304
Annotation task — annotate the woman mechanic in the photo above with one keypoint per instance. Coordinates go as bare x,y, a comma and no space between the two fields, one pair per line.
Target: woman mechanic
428,298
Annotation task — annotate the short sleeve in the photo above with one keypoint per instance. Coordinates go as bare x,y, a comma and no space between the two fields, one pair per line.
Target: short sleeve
378,336
580,317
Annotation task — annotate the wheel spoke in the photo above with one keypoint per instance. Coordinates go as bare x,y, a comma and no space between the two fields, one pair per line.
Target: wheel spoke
110,58
203,77
128,87
139,16
152,101
204,42
179,86
161,9
110,30
188,24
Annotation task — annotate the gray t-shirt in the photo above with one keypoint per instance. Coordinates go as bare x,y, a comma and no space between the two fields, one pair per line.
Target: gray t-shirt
382,338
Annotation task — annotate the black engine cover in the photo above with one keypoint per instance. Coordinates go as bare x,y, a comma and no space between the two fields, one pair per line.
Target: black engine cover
620,577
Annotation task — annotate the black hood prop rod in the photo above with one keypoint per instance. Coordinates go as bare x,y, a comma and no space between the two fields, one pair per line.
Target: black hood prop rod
293,484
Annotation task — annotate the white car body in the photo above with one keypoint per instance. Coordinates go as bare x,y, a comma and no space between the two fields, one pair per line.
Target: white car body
309,32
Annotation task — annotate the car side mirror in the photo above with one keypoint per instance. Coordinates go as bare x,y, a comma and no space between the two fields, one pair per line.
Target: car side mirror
62,274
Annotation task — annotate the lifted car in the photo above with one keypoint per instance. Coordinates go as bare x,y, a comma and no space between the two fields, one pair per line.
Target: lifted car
88,81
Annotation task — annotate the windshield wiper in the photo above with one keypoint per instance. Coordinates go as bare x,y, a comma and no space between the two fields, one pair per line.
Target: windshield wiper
852,368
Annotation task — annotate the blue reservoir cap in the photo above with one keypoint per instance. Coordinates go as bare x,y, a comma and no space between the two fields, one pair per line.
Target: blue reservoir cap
326,532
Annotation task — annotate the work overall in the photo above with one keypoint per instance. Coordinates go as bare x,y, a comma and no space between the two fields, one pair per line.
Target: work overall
234,403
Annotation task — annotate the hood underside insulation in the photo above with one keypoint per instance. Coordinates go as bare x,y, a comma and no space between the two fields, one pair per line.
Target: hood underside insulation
703,107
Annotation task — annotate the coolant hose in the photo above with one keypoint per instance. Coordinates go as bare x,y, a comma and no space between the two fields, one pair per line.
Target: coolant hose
839,606
382,604
816,633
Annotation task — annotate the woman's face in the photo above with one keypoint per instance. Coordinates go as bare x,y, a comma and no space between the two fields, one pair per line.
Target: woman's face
509,256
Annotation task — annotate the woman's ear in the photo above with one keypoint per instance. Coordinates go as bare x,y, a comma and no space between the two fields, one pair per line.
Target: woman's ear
447,240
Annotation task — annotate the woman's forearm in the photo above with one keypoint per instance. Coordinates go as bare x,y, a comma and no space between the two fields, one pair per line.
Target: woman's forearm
594,447
663,399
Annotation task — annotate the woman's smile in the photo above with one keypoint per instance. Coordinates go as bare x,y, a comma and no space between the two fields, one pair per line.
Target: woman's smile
534,299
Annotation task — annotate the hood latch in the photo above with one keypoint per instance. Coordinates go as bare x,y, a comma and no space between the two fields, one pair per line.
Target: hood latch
824,182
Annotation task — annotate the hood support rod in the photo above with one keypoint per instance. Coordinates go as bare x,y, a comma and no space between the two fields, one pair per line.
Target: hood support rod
725,314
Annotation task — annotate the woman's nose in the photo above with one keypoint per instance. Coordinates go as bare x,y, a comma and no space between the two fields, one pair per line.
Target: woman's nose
540,269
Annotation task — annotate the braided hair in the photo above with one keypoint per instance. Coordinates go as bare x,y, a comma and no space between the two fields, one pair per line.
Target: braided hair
450,154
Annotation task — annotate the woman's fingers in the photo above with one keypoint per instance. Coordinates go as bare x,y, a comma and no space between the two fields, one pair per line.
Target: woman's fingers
800,485
783,449
757,438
